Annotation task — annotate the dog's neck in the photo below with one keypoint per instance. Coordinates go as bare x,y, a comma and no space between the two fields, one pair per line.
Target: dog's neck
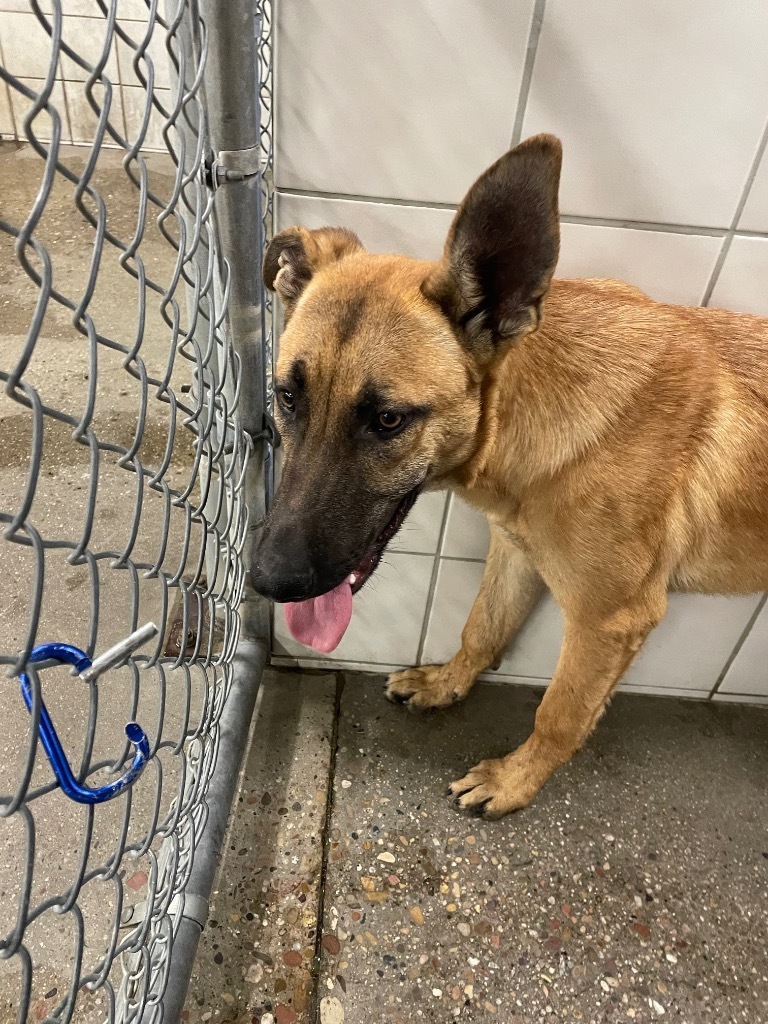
545,402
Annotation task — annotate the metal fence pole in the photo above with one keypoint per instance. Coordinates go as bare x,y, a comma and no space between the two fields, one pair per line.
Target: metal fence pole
232,89
234,725
232,80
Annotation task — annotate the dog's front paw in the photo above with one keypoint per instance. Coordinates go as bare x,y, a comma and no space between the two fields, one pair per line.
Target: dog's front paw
497,787
432,686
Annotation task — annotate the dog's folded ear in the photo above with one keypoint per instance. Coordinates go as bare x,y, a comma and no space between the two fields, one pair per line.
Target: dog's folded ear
502,248
296,254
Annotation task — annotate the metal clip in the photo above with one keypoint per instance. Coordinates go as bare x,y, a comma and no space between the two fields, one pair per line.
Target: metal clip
233,165
88,671
268,432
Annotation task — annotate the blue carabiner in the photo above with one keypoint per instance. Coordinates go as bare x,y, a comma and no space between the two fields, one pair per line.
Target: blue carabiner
68,655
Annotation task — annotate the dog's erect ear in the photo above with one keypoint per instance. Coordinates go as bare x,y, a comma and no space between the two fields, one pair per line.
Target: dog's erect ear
295,254
502,248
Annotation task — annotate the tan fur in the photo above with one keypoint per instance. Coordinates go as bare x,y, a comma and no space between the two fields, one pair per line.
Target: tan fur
619,451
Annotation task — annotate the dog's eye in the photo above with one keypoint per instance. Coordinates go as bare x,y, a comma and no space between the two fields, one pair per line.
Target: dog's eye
286,399
388,421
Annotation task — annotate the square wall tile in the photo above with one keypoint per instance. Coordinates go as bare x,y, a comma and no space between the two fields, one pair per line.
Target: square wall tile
455,591
421,530
404,100
88,38
156,51
754,216
667,266
743,280
135,103
27,49
660,105
7,126
382,227
687,651
387,618
134,9
748,673
43,123
91,9
83,117
533,652
22,6
690,646
467,534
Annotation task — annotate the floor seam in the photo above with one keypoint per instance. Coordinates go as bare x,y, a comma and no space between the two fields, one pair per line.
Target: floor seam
326,842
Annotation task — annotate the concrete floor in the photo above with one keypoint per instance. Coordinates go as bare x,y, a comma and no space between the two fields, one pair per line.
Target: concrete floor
635,888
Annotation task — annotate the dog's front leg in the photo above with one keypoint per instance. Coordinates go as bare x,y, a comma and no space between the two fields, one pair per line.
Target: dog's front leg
510,588
592,660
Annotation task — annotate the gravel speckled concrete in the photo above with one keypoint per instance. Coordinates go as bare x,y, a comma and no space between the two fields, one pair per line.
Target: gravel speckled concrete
636,887
256,954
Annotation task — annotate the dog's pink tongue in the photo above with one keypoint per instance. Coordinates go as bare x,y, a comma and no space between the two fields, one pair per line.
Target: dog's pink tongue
321,622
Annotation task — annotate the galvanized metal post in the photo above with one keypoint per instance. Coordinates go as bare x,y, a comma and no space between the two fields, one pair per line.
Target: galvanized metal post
232,89
232,100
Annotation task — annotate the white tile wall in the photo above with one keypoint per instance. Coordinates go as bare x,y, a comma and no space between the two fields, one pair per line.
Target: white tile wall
135,105
692,644
754,216
382,227
7,125
156,51
656,103
43,123
88,38
743,280
83,117
748,672
466,534
26,45
420,532
532,654
387,618
405,99
667,266
661,107
25,50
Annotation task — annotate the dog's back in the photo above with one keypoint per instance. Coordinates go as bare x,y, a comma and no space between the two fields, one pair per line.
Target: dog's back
689,391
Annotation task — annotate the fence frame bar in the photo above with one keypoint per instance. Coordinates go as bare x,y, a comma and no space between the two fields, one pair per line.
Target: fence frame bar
234,727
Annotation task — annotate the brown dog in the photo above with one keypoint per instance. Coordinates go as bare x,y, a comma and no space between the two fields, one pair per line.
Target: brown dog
618,447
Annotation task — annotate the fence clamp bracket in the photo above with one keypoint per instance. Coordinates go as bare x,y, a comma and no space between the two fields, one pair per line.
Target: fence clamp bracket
233,165
268,433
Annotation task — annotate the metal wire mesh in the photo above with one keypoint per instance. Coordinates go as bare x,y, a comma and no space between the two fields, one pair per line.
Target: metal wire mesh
121,501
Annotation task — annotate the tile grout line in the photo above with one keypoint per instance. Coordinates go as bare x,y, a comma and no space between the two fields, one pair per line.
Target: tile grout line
532,48
374,668
354,197
643,225
433,580
317,959
739,644
565,218
11,111
728,240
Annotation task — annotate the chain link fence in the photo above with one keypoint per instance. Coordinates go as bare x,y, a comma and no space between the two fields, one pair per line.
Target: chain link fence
134,349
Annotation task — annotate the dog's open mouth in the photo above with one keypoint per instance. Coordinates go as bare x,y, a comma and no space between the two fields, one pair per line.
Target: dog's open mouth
321,622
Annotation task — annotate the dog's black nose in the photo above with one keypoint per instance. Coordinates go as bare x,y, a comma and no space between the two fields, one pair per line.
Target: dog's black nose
279,577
